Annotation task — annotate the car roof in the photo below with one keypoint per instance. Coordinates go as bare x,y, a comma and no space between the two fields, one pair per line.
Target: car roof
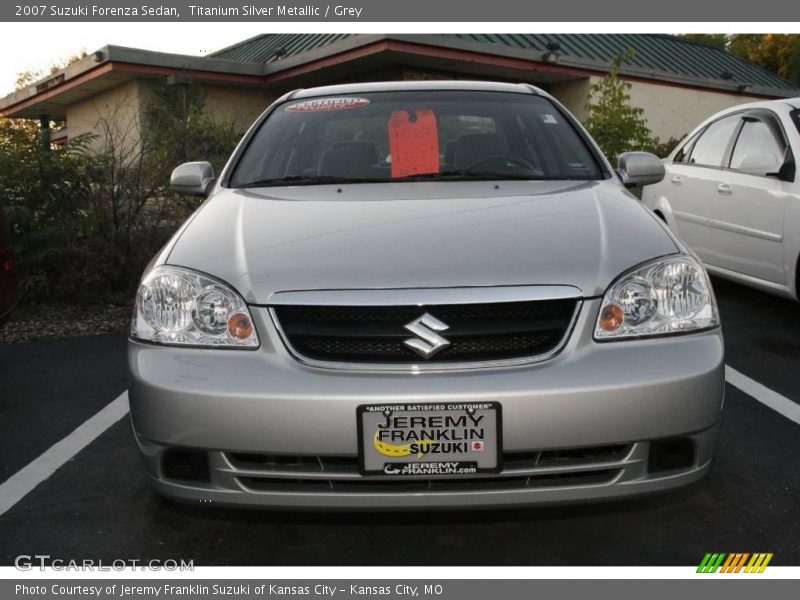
409,86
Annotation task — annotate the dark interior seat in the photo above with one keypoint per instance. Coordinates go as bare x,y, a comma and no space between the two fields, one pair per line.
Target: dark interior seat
450,153
348,159
474,146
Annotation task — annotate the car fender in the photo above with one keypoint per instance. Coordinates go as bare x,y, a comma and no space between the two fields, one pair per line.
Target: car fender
659,203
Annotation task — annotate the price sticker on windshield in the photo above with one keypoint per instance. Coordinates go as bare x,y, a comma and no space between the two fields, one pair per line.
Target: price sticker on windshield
413,143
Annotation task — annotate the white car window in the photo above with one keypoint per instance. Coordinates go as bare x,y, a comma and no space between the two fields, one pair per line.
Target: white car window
755,138
682,156
709,149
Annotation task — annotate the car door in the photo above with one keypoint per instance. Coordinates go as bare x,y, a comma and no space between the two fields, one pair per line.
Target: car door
691,181
749,203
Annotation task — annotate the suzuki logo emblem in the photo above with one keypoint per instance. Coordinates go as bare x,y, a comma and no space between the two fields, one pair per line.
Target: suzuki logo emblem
428,342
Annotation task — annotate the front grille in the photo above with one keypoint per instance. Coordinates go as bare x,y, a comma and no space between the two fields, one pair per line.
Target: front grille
476,332
595,465
289,463
565,458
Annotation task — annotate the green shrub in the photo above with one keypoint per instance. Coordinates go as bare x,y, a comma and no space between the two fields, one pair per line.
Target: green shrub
662,149
87,217
615,125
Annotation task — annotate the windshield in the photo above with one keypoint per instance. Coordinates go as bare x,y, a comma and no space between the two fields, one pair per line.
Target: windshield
412,136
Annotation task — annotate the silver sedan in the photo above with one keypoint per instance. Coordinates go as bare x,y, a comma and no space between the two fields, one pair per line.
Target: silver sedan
431,294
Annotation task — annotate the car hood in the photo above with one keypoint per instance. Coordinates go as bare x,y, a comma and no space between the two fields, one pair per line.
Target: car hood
419,235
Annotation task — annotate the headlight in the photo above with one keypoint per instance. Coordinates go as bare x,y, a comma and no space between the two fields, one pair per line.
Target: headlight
178,306
669,295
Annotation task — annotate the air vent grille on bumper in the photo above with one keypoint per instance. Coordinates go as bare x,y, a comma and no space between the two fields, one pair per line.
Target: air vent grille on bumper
327,474
474,332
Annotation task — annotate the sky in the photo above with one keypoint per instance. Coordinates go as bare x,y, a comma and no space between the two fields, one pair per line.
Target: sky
34,46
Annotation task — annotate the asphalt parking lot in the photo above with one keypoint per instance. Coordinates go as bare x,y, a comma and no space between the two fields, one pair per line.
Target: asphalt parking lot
98,505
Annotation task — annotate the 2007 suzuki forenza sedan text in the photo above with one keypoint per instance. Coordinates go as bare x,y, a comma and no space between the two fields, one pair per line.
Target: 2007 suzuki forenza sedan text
417,295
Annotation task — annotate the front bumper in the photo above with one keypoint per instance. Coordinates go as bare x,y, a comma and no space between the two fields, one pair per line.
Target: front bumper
595,396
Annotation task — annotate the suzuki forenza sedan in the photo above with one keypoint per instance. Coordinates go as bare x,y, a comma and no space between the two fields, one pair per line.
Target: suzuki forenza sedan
431,294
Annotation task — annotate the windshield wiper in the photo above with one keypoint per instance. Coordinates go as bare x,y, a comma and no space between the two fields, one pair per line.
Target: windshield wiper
451,175
466,174
304,180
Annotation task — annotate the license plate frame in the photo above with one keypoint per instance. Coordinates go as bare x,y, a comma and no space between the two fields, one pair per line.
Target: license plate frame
432,460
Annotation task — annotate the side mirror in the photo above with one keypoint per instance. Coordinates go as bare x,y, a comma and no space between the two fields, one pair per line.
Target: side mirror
761,163
640,169
192,179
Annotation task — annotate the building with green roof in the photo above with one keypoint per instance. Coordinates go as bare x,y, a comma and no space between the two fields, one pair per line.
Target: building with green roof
677,82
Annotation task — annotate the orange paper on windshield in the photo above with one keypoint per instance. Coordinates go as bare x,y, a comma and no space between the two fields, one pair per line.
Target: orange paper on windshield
414,144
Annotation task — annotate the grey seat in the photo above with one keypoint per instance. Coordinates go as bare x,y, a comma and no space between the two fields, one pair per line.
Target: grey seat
348,159
475,146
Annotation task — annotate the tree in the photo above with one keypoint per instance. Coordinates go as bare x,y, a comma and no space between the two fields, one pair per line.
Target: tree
26,78
88,216
743,44
779,53
718,40
615,125
180,128
43,191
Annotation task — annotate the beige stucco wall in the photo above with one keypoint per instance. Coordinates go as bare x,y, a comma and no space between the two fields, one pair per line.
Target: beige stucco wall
116,114
672,111
237,105
573,95
112,117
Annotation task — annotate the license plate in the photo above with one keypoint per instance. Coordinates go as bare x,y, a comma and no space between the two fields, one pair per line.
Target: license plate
430,440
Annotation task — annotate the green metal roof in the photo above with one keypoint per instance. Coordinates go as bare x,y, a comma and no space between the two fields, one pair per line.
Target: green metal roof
656,56
665,53
271,47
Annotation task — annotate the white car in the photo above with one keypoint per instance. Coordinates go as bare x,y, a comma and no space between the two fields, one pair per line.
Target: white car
731,193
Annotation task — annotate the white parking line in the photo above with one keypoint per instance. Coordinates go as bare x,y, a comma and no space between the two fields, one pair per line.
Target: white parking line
778,403
24,481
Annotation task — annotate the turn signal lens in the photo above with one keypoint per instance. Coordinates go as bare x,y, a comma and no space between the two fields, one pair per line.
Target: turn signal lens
611,318
240,326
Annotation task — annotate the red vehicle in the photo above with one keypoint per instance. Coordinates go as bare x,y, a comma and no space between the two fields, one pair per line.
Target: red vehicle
8,287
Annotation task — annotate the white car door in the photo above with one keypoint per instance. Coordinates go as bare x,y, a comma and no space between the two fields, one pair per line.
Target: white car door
691,181
749,203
